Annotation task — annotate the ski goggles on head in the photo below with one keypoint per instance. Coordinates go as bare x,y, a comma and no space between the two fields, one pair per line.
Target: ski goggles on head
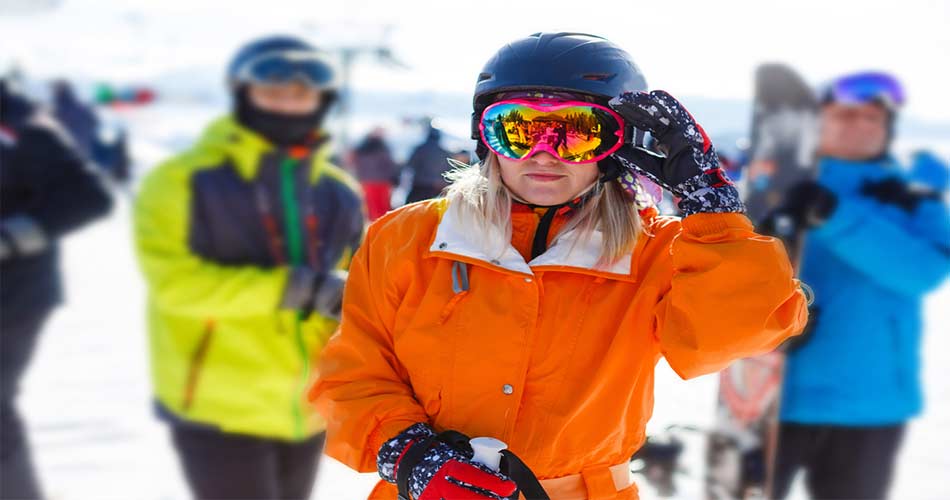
573,131
867,87
285,66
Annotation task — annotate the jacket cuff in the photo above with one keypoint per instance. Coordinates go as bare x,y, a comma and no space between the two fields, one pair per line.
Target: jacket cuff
703,224
385,431
392,450
709,193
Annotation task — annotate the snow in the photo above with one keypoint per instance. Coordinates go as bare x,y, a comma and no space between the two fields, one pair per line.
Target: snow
87,397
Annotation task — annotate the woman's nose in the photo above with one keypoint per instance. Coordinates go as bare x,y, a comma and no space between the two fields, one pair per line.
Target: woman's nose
544,158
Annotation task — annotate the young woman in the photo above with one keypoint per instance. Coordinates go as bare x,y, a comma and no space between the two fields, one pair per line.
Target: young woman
532,303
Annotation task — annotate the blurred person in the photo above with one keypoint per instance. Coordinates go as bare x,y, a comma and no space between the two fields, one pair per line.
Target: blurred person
76,117
428,164
45,193
242,240
87,131
532,303
376,171
561,130
113,155
875,248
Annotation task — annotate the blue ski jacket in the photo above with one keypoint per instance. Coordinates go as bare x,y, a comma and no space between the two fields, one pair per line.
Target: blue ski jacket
870,266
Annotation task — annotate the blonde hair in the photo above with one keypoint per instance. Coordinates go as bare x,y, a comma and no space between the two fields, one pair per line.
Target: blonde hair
484,204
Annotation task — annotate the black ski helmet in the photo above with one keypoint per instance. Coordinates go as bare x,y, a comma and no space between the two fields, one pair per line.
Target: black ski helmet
576,63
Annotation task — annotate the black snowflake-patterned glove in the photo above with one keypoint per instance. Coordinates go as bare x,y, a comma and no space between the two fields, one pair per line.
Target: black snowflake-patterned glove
690,167
439,471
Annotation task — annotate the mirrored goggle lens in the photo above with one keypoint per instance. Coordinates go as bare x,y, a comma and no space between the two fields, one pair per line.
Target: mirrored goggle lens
306,67
868,87
578,134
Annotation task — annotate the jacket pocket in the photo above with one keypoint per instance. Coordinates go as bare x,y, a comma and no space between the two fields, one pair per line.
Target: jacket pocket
196,364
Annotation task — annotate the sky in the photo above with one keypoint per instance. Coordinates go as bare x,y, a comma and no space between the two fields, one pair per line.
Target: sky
699,48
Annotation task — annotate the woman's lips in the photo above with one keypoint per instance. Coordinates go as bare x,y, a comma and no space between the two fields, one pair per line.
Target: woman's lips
544,177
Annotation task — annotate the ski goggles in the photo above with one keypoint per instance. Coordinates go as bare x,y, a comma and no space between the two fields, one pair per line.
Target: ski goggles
308,67
867,87
575,132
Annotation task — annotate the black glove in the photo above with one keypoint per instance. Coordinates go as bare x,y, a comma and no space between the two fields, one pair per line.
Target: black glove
690,167
312,292
895,191
21,236
806,205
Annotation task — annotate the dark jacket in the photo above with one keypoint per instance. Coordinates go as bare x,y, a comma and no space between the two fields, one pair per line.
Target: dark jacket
77,118
44,181
428,162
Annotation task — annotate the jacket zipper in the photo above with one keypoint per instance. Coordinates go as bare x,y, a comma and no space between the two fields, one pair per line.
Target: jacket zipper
197,362
294,234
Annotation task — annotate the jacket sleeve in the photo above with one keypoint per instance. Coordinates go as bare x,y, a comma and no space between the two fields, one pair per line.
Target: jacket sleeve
179,281
363,391
909,260
732,294
70,195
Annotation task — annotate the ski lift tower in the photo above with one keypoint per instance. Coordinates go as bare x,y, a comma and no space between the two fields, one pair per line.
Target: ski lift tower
348,53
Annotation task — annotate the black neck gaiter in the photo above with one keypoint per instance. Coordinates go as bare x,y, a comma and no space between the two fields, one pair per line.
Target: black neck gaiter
279,128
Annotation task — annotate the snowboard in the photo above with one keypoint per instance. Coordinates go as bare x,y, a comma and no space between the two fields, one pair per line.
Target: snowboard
742,442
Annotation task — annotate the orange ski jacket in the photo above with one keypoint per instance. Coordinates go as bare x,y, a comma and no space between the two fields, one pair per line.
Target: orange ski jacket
554,357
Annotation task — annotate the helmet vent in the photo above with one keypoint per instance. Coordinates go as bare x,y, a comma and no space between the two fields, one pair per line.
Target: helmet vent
484,76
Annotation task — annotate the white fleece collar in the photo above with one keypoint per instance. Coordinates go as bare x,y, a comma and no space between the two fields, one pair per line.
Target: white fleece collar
568,251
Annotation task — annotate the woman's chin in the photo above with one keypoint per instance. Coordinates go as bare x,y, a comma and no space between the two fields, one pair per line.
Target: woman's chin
546,199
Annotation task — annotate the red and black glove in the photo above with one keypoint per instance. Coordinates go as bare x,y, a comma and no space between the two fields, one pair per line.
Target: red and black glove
690,167
437,471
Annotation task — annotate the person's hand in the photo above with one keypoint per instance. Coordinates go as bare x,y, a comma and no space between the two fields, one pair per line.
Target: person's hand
21,236
328,294
806,205
690,166
311,292
437,471
896,191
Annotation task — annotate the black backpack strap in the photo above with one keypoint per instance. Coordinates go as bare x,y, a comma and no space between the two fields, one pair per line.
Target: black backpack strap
527,482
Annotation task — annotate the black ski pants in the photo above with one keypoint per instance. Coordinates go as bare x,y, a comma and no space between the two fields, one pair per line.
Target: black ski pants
839,462
218,465
18,335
